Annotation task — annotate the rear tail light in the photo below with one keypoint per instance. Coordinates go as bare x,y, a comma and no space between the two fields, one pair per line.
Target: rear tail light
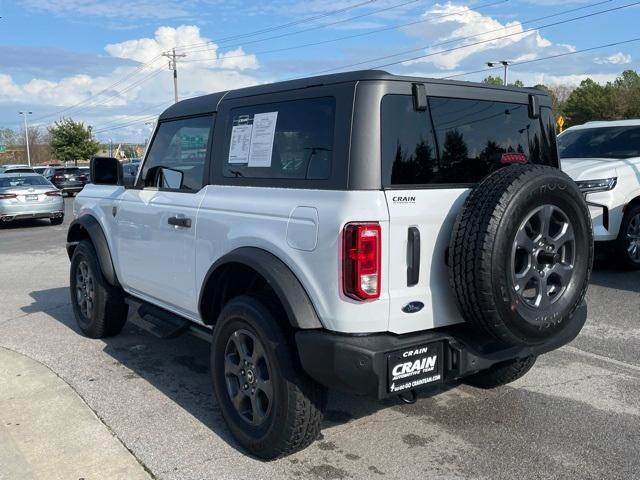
58,177
82,177
361,260
54,193
7,195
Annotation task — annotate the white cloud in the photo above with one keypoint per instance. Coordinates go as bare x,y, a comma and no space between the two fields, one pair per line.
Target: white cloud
450,22
205,69
615,59
200,51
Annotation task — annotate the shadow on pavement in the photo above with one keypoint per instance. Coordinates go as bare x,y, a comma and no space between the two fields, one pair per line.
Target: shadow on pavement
179,368
606,273
31,223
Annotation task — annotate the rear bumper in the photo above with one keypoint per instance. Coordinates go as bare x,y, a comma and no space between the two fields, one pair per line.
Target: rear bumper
358,364
69,186
51,209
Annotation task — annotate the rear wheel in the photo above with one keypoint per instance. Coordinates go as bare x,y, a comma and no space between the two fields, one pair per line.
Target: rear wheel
502,373
56,220
99,308
270,405
628,242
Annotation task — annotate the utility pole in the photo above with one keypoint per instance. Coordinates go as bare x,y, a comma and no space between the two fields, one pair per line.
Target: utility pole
173,65
26,134
505,64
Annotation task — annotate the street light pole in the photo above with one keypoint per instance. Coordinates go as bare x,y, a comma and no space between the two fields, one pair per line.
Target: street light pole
505,64
26,134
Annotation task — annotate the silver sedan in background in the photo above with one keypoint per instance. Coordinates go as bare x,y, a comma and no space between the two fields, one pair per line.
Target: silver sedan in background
29,195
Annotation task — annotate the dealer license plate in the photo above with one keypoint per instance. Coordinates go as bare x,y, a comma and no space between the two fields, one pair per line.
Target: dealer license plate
31,198
415,367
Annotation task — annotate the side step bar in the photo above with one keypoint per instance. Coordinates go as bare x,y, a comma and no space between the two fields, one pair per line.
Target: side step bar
164,324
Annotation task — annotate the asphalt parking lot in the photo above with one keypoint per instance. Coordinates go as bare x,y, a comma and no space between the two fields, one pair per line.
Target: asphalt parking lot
575,415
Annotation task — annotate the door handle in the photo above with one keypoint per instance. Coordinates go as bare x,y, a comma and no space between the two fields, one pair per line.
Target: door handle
413,256
179,221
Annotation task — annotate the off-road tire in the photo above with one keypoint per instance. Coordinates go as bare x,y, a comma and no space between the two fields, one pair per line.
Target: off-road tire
57,220
109,312
480,254
296,413
502,373
621,254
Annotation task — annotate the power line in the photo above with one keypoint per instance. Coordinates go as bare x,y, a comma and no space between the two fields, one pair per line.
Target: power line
153,60
346,37
297,32
126,124
106,89
540,27
285,25
550,57
458,39
131,114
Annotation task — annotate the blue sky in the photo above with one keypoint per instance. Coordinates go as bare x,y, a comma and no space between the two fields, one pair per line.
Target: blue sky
100,61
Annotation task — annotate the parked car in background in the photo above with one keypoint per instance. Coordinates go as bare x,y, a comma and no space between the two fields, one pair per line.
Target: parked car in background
87,172
69,180
29,195
604,159
16,169
39,169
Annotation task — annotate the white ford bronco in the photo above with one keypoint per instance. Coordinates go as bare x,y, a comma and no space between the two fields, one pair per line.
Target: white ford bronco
362,231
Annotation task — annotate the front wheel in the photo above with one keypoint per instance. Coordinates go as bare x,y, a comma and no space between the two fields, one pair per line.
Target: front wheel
99,308
271,407
628,242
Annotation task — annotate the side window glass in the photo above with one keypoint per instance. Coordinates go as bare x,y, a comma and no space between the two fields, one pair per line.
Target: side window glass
177,155
474,136
409,156
286,140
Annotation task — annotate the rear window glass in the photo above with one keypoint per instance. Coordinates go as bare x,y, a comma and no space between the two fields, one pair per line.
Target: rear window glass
287,140
67,170
34,180
461,142
602,142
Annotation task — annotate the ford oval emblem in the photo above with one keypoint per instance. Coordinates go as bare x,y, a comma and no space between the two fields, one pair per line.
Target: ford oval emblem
413,307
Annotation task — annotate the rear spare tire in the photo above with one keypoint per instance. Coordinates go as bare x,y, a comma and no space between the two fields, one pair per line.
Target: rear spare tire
521,254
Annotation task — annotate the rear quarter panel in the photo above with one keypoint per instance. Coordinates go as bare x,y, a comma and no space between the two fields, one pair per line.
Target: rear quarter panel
234,217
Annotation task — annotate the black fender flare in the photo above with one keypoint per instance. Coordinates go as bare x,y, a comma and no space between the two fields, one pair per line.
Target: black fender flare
292,295
93,229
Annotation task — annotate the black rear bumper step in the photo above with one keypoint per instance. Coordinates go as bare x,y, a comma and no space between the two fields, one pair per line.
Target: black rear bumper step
357,364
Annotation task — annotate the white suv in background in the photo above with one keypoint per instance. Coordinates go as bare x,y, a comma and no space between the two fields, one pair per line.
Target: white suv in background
604,159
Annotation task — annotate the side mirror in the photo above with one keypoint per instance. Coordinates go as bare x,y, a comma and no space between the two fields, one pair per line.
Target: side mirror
170,178
106,171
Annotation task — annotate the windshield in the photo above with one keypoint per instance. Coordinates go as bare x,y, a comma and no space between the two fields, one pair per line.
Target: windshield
602,142
9,182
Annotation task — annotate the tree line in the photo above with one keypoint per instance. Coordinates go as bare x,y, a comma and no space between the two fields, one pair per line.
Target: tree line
65,140
589,101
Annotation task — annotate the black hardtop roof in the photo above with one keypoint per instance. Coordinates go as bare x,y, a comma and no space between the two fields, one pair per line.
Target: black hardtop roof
209,103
